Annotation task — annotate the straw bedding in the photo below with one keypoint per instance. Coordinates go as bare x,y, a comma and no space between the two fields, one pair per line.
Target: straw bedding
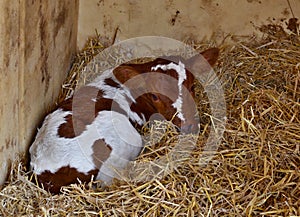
256,171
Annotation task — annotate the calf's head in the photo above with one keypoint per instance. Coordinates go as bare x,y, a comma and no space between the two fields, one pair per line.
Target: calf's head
165,86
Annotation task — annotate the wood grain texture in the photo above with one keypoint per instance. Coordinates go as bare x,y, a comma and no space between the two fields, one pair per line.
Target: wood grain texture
37,41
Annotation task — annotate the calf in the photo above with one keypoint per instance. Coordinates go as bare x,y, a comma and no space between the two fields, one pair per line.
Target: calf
95,132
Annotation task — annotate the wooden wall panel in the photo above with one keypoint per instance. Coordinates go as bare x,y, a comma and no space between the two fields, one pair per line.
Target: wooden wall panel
9,92
37,41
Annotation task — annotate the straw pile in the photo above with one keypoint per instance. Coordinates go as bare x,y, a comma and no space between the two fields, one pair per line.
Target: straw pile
256,171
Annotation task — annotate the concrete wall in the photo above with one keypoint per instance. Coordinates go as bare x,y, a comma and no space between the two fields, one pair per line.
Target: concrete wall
178,19
37,41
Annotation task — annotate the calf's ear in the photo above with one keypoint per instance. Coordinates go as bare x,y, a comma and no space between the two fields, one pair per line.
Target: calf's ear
132,78
211,55
198,63
124,73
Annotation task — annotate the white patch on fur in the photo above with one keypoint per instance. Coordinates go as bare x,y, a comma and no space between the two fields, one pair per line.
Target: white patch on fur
48,148
125,141
121,95
51,152
180,69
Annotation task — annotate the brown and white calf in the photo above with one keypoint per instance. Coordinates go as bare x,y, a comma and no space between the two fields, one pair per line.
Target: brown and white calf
94,133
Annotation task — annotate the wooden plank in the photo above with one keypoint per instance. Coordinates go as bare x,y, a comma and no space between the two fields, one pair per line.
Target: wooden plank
9,61
37,41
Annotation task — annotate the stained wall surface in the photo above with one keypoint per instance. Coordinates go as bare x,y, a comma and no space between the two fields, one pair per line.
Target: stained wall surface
37,41
181,20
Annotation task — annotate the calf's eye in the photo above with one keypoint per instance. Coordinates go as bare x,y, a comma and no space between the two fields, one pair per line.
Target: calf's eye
154,97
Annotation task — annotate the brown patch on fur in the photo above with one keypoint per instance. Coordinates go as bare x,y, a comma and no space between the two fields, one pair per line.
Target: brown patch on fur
101,152
85,106
111,82
64,176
